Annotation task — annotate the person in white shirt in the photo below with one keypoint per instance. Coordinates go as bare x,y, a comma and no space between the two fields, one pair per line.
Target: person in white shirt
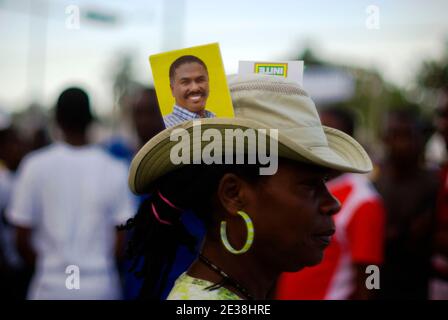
68,199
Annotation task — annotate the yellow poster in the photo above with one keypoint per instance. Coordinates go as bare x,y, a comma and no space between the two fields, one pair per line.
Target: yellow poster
192,81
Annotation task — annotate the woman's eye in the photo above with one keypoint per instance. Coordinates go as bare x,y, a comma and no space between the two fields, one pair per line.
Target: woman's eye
313,185
309,185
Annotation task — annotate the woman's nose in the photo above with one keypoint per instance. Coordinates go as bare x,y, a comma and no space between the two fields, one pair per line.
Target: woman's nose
330,205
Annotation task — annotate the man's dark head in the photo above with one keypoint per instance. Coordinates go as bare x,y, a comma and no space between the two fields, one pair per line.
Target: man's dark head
12,147
189,83
338,118
73,110
184,60
146,114
403,135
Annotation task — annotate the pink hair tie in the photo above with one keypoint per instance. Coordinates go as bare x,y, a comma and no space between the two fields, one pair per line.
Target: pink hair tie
157,215
168,202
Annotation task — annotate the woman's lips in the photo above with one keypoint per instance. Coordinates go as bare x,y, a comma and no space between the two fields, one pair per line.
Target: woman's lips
323,238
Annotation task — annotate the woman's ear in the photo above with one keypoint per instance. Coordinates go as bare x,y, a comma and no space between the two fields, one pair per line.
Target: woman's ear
232,193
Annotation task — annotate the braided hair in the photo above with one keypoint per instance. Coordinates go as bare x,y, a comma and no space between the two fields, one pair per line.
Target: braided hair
157,230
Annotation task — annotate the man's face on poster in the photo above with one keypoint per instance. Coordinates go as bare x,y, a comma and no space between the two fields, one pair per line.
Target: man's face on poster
190,86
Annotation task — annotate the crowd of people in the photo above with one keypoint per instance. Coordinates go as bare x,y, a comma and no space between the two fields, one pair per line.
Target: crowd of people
309,231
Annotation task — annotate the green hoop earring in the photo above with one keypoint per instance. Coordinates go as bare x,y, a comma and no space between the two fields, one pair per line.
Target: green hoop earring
250,235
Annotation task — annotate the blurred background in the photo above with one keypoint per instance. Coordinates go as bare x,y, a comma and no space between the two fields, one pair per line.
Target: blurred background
374,54
368,57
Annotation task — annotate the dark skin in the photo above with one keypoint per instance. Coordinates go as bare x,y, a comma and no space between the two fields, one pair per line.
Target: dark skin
146,116
190,87
26,250
329,120
12,148
24,234
291,212
77,138
403,146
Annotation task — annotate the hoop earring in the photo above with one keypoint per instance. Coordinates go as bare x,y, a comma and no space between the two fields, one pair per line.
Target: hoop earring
250,235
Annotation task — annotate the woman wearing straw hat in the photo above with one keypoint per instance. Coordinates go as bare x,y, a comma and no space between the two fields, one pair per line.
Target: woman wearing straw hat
257,226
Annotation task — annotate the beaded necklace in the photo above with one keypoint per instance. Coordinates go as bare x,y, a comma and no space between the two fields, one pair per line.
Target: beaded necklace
226,279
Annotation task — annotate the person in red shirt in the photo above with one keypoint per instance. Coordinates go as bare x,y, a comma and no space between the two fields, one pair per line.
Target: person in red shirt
358,241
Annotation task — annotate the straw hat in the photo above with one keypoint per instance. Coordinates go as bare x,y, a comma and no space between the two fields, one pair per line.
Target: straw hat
260,102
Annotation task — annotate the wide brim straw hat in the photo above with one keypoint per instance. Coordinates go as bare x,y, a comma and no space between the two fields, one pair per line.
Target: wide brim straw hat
260,102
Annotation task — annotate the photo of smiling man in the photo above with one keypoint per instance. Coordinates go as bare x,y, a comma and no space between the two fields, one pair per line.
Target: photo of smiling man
189,83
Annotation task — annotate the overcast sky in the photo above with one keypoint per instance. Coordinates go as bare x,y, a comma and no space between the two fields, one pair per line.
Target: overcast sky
41,56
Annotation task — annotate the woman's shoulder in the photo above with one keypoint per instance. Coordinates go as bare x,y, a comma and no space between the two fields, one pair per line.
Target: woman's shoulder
190,288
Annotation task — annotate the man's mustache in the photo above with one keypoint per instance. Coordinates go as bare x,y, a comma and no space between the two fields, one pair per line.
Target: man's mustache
200,92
